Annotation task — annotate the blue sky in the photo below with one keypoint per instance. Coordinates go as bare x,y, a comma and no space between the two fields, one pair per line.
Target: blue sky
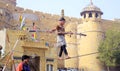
110,8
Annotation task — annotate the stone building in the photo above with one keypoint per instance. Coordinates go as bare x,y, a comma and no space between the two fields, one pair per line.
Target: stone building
43,54
94,27
81,45
91,26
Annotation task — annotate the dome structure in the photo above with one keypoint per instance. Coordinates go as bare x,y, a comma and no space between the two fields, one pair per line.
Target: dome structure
91,8
91,26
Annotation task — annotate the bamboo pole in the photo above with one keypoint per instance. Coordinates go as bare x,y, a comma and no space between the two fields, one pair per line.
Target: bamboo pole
11,53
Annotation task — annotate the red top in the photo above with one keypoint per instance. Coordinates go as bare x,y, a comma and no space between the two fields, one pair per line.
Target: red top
19,67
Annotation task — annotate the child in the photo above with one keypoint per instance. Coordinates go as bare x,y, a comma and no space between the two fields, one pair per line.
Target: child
23,66
61,42
34,35
34,27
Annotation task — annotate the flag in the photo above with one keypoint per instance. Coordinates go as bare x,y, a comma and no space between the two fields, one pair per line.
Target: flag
34,36
22,24
20,18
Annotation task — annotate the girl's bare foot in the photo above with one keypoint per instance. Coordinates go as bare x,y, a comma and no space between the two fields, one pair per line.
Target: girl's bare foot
60,58
67,57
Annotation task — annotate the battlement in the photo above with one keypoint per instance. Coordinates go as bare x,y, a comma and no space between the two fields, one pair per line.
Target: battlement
43,15
11,2
116,19
40,18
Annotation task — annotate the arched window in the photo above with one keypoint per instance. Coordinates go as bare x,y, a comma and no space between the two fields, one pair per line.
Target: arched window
96,15
84,15
90,15
49,67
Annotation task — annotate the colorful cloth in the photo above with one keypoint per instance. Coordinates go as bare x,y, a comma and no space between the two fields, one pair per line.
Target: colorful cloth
20,18
34,36
22,26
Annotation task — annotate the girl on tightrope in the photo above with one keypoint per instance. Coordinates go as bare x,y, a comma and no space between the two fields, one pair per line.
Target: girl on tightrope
61,42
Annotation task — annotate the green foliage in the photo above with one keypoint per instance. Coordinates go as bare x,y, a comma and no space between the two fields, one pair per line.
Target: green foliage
109,48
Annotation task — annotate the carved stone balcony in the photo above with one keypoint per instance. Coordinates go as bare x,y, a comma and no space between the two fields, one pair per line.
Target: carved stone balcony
28,42
31,44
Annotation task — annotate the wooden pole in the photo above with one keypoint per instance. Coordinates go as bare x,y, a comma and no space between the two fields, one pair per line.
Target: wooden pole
11,53
14,65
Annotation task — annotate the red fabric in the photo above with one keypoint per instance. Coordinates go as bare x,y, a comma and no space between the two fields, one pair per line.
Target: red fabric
19,67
